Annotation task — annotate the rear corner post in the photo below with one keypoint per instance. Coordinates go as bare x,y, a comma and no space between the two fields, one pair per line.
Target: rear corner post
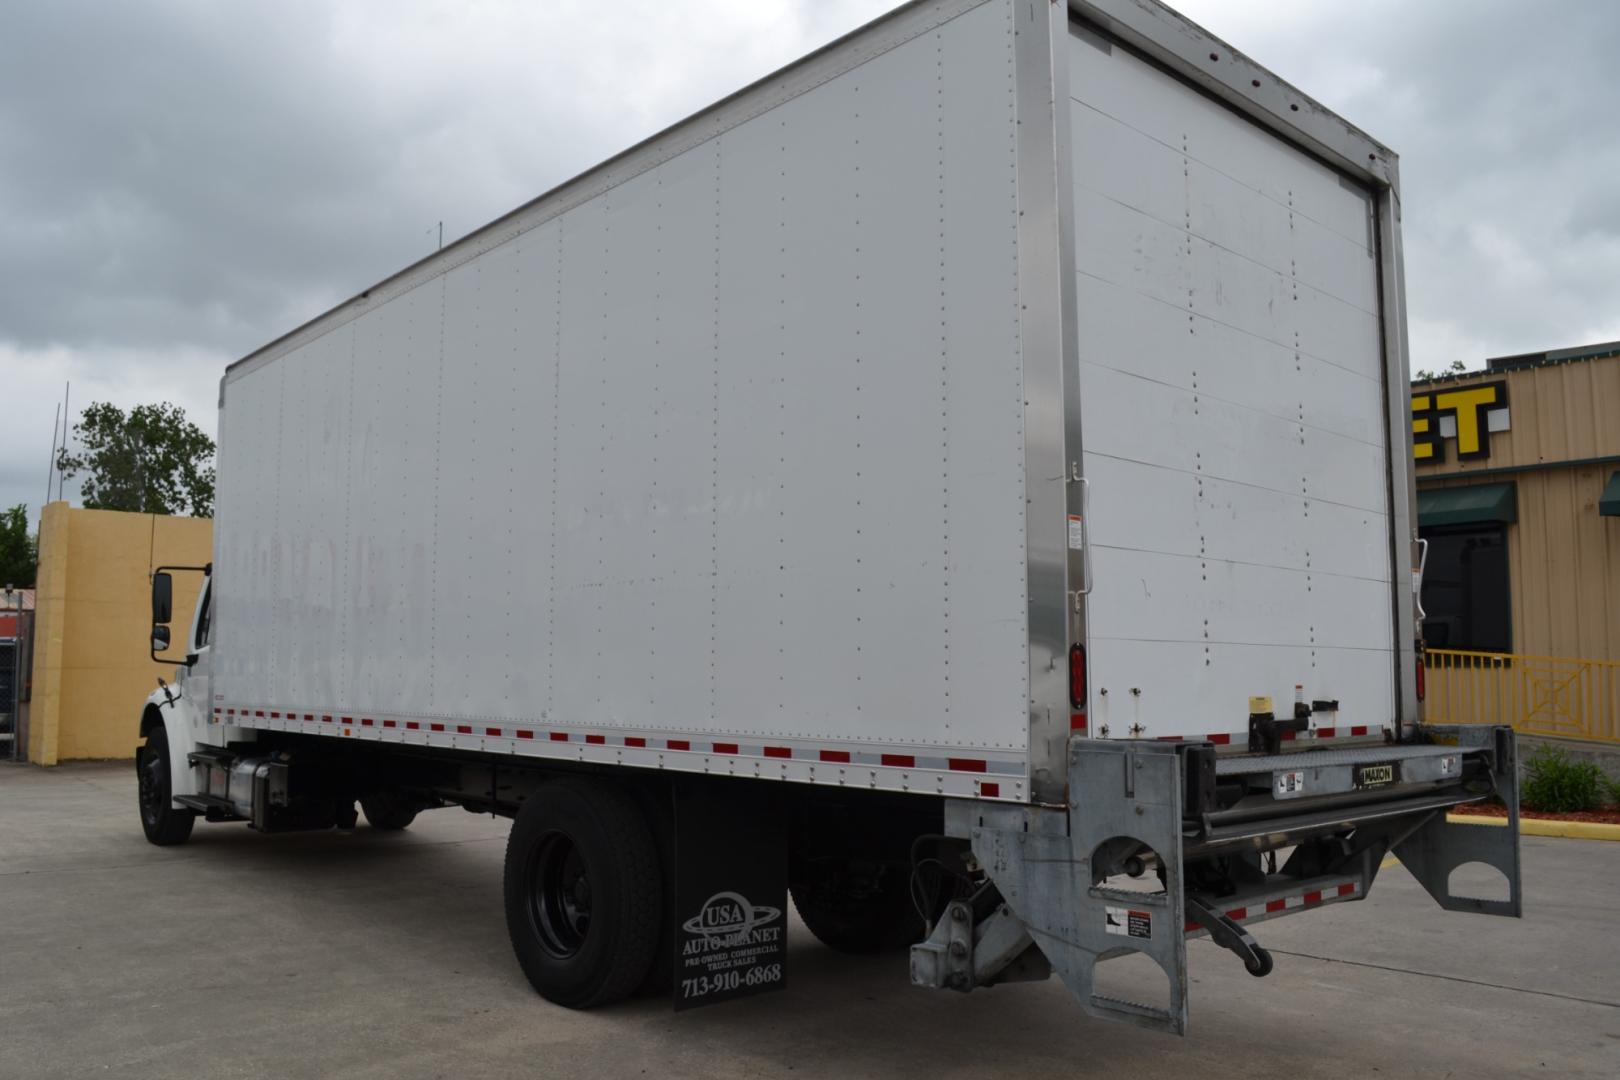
1051,405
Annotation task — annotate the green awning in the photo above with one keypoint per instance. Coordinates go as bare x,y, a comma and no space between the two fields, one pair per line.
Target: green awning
1468,505
1609,501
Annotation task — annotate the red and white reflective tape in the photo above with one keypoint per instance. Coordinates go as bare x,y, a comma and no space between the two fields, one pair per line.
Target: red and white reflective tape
860,756
1311,898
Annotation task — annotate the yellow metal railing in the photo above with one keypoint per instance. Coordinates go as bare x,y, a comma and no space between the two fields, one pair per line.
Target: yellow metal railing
1539,695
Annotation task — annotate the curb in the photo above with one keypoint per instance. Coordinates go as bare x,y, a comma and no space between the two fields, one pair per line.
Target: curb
1571,830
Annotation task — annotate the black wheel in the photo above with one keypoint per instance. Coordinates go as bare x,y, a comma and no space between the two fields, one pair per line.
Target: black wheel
859,910
388,810
163,823
584,893
1262,965
850,871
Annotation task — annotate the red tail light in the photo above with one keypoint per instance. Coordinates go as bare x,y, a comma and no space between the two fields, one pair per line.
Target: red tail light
1422,679
1077,676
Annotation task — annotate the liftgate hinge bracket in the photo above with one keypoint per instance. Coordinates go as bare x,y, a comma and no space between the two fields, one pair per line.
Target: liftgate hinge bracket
960,955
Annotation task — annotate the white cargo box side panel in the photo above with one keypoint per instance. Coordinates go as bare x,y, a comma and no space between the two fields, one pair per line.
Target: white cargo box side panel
1232,414
727,457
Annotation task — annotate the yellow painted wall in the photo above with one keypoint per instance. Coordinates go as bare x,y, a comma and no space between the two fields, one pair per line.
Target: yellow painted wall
93,625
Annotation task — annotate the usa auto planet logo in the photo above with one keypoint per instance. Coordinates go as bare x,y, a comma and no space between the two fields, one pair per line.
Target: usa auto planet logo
728,919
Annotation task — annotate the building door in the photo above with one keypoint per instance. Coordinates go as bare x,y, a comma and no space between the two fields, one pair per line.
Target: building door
1465,589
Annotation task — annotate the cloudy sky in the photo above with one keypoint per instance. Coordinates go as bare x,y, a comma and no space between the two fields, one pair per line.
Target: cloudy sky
182,180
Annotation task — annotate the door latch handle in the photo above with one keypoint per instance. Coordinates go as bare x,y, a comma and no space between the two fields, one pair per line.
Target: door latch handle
1417,578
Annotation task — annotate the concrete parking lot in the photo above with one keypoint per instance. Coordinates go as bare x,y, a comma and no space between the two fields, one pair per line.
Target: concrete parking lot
378,955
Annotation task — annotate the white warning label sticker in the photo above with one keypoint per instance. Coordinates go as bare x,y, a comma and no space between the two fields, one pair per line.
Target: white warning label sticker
1285,785
1129,922
1077,532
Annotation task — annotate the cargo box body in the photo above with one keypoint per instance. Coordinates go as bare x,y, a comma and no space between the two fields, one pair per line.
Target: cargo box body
765,448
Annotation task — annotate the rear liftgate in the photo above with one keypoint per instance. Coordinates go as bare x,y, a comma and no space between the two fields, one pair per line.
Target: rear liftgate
1216,844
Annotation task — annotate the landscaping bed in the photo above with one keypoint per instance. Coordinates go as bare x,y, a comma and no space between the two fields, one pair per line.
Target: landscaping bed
1557,787
1608,815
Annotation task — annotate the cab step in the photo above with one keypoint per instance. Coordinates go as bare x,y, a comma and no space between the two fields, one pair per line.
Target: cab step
212,807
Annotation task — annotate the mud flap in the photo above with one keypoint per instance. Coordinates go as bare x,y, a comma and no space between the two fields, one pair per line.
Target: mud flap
1439,846
730,917
1132,794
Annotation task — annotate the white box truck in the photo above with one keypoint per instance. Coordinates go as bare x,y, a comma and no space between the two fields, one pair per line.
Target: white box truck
962,480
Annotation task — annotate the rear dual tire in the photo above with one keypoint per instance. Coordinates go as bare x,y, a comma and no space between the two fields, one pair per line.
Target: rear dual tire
881,918
584,893
852,876
388,810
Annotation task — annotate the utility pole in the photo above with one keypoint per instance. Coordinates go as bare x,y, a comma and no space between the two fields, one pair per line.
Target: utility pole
67,390
56,423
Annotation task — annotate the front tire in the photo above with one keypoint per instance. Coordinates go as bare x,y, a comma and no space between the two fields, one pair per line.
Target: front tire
164,824
584,893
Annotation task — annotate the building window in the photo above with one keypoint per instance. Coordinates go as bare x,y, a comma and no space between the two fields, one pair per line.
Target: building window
1465,589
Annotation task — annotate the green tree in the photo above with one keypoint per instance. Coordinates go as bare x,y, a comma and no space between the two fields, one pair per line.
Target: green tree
152,460
1457,367
19,552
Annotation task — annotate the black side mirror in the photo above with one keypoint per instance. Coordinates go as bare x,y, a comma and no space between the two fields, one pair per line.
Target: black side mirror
162,599
163,609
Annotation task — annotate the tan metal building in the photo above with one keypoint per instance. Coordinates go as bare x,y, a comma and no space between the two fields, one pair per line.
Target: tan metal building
1518,476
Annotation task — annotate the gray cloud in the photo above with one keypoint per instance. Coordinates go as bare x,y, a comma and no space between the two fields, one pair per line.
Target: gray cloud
183,180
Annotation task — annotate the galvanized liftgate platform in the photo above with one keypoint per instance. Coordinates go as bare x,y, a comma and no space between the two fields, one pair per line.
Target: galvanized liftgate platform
1231,841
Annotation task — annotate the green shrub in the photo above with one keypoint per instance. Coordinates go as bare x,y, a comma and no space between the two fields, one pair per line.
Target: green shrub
1614,792
1556,783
